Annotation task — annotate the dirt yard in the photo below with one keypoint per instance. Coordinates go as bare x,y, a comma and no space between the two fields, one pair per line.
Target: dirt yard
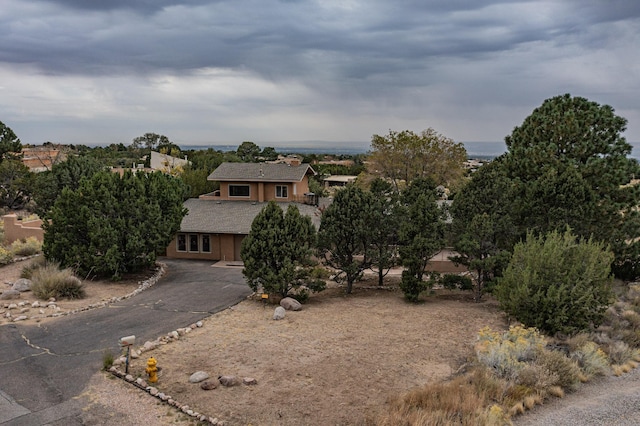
337,361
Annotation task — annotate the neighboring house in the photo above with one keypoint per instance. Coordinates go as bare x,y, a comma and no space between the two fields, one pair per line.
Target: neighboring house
41,158
262,182
166,163
338,180
216,223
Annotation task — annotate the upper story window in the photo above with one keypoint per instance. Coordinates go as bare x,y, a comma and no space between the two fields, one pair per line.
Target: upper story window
238,190
282,191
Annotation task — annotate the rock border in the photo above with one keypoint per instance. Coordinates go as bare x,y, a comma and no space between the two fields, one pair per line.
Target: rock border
149,282
140,383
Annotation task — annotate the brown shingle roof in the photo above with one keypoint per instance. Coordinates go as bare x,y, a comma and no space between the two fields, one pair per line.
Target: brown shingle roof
231,217
260,172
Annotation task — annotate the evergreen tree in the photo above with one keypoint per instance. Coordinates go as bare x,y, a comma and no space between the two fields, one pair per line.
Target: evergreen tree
384,238
482,229
421,235
557,283
277,252
10,146
345,235
570,165
112,225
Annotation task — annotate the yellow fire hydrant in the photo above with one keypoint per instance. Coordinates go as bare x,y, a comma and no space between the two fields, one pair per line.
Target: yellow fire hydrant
152,370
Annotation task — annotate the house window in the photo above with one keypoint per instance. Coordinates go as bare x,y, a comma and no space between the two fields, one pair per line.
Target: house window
206,244
193,243
282,191
181,242
238,190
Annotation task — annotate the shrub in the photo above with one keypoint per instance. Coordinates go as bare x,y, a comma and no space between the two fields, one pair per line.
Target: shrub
565,369
28,247
107,359
591,359
453,281
412,286
37,263
50,281
6,256
506,352
619,352
557,283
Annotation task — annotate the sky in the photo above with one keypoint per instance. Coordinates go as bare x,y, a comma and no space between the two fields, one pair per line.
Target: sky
300,73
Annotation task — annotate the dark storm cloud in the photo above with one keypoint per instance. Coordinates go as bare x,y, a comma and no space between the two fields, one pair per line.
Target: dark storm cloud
415,60
267,37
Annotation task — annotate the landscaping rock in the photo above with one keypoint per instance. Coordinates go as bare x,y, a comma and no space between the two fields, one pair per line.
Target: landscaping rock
22,285
210,384
249,381
279,313
228,381
198,377
10,294
290,304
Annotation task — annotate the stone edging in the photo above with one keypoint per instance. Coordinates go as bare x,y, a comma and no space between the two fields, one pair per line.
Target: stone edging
142,384
143,286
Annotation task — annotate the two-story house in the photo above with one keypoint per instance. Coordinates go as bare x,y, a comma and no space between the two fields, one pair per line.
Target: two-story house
216,223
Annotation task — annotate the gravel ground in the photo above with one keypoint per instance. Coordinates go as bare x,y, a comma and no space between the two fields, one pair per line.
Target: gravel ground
611,401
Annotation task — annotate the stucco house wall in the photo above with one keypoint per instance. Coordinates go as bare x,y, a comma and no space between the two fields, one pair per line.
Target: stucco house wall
15,229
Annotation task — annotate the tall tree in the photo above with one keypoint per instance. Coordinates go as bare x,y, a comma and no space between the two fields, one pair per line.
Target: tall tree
421,235
150,141
67,174
405,156
344,238
112,225
10,146
277,252
570,166
483,230
557,283
248,152
384,238
16,182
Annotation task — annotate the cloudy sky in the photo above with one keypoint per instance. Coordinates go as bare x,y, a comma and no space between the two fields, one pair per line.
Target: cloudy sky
281,72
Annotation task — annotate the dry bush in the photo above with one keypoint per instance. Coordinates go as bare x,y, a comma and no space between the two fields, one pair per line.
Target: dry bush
50,281
506,353
6,256
567,371
591,359
37,263
461,401
619,352
27,247
538,377
556,391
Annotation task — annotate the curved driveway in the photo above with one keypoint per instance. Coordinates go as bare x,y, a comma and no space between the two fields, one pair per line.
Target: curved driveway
42,367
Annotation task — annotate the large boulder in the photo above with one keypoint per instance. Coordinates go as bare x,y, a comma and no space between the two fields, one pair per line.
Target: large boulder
11,294
279,313
290,304
22,285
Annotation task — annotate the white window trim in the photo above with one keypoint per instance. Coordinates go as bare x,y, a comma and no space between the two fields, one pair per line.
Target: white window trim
286,188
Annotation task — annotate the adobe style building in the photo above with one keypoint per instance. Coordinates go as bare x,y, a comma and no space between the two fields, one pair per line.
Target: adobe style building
216,223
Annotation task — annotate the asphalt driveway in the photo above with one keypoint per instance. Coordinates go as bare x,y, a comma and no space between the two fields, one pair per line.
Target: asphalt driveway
42,367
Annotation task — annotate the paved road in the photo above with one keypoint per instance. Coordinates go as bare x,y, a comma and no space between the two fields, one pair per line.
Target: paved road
42,367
